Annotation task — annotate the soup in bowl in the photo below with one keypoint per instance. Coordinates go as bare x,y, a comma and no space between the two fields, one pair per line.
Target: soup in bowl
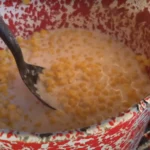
96,75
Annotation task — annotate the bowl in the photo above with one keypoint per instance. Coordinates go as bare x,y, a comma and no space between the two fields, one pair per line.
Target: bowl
127,21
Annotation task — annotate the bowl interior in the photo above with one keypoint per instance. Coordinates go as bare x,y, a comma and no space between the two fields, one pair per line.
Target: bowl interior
122,22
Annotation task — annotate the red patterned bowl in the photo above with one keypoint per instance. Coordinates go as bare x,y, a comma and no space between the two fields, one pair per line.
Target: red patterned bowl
128,21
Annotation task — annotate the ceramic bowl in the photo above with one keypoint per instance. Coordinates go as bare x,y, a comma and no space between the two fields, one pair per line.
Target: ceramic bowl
126,20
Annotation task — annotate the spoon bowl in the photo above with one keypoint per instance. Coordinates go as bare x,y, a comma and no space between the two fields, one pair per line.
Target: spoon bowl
29,73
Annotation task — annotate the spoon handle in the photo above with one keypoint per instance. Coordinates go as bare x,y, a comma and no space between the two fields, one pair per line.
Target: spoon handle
12,44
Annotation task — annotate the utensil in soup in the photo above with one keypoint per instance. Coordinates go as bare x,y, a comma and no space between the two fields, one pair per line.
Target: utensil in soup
29,73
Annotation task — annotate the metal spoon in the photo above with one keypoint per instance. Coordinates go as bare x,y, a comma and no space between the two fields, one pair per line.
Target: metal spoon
29,73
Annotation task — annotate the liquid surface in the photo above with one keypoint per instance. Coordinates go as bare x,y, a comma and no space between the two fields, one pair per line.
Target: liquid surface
88,78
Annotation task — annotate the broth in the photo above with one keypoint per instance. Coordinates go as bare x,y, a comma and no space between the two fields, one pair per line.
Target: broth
88,77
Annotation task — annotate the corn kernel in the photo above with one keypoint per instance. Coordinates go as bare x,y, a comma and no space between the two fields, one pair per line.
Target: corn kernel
38,124
132,94
89,58
43,32
11,107
126,104
49,89
59,113
101,100
26,2
139,58
19,39
52,120
67,108
146,62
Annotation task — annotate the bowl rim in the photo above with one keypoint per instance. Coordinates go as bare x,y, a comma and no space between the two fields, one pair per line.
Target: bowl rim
28,137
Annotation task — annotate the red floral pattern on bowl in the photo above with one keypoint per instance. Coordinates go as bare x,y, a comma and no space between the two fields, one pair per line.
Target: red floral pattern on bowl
127,21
